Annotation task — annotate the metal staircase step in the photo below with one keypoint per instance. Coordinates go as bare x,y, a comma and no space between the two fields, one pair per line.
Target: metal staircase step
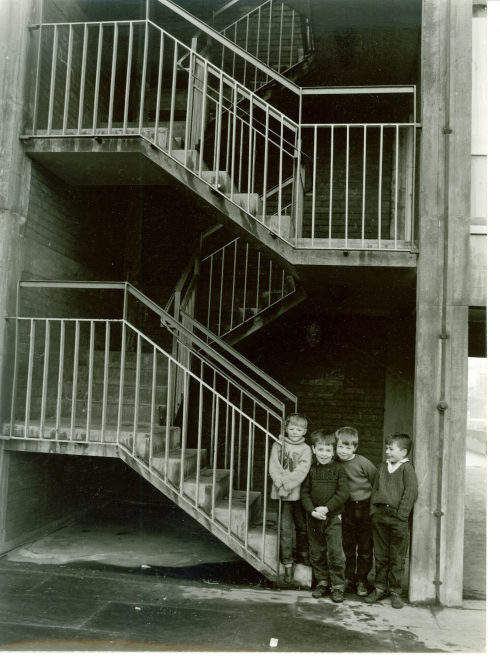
222,179
205,487
175,464
250,202
190,158
239,518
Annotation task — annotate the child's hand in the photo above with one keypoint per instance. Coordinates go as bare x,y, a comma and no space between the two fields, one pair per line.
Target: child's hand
318,515
283,492
322,509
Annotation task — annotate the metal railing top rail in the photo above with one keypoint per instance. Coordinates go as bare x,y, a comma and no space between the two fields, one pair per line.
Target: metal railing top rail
190,337
230,45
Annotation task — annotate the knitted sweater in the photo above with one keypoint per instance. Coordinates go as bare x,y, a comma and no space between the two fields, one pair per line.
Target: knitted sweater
361,475
325,485
289,473
399,489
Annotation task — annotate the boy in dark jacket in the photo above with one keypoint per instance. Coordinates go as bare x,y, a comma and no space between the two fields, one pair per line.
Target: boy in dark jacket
323,493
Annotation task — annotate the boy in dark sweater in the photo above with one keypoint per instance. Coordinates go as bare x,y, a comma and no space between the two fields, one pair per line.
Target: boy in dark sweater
323,493
357,533
394,493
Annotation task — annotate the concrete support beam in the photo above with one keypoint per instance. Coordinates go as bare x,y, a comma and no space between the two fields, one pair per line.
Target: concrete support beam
14,169
440,417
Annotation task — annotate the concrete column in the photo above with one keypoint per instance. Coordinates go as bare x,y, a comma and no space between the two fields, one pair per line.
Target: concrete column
442,303
15,16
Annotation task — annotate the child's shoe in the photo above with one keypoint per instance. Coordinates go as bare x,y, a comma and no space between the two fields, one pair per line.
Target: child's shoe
288,573
396,601
321,590
361,589
337,595
376,594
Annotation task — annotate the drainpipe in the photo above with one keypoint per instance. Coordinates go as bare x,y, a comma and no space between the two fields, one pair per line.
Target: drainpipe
442,406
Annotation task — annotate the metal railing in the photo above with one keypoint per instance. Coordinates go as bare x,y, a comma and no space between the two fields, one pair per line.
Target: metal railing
301,181
104,381
274,33
239,283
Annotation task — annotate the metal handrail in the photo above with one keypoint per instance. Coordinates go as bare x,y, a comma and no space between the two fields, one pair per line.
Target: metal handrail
190,337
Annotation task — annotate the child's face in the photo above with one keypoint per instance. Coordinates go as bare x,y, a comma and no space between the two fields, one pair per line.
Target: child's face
345,449
394,453
324,453
296,430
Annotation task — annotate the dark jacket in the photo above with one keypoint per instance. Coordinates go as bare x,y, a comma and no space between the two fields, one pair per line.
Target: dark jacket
325,485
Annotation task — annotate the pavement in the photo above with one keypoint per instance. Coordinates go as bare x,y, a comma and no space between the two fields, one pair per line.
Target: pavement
130,577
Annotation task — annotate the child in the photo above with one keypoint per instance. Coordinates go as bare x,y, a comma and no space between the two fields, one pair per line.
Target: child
323,494
394,493
356,525
288,466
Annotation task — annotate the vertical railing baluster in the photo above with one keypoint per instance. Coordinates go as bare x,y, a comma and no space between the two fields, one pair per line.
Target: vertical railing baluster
82,78
266,157
74,392
246,48
245,284
313,210
199,435
218,130
396,188
291,39
212,422
184,428
159,86
172,99
216,442
144,75
280,178
105,383
97,80
240,429
231,471
189,111
69,56
113,78
330,208
250,143
45,376
240,168
122,379
347,186
52,79
233,145
153,409
363,199
90,383
29,379
269,37
203,115
257,53
380,165
209,306
257,293
251,435
226,426
219,332
280,39
264,497
234,284
168,414
127,79
37,79
60,378
137,392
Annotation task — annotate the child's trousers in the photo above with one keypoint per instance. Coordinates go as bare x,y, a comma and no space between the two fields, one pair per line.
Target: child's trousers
293,516
390,536
325,549
357,533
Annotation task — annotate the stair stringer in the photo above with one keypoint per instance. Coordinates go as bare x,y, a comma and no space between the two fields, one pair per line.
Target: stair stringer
269,570
229,212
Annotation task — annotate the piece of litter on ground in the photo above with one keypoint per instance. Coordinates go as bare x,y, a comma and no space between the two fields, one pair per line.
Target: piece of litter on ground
145,566
164,598
273,642
210,582
137,608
